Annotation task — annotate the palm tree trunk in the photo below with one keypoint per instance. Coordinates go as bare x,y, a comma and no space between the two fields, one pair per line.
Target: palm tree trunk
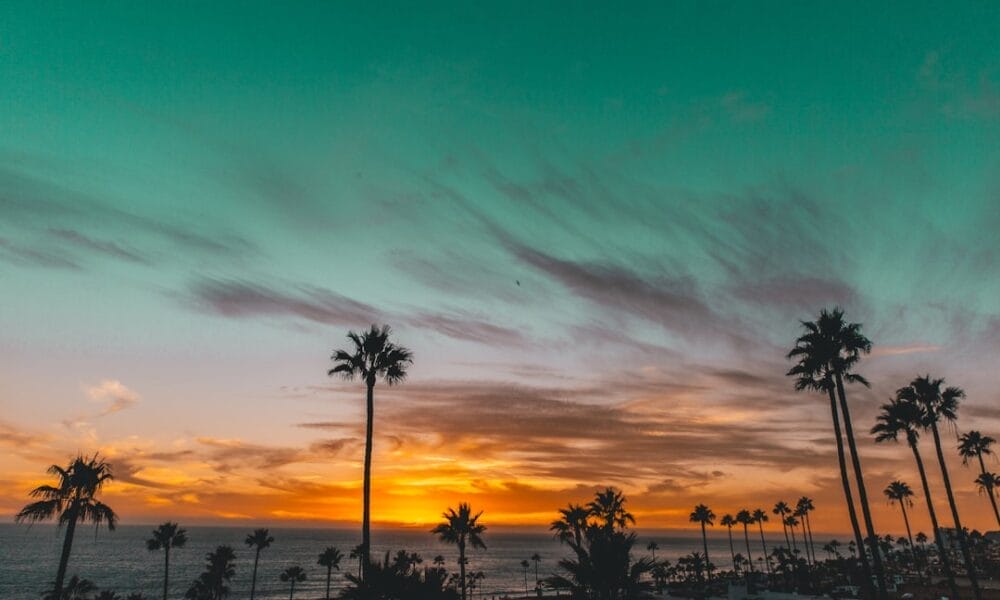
253,580
291,594
795,547
862,493
329,573
989,490
67,546
732,550
970,567
704,545
909,536
845,481
767,559
809,531
366,510
461,567
784,528
746,538
942,551
166,570
805,539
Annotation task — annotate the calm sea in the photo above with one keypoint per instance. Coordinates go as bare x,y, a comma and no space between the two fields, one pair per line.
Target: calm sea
119,560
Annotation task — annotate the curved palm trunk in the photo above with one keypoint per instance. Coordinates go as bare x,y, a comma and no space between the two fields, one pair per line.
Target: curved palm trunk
67,546
862,493
805,539
704,545
767,559
795,547
746,538
166,570
461,566
366,510
329,573
784,528
809,535
732,551
909,536
866,569
253,580
291,594
989,490
942,551
970,567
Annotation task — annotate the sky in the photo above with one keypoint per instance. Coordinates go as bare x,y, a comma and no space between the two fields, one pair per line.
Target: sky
596,229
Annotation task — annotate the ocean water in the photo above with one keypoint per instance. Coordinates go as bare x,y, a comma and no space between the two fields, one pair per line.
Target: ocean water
119,560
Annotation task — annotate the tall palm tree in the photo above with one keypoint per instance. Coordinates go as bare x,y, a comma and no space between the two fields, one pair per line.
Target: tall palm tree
536,558
728,522
743,517
704,516
782,510
805,506
258,540
826,353
942,405
372,357
791,522
166,536
653,546
904,418
760,517
72,499
571,523
293,574
330,558
974,445
900,492
524,566
461,528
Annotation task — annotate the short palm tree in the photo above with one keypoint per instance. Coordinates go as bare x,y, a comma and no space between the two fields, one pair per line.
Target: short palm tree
524,567
905,418
258,540
728,522
357,553
704,516
213,583
292,575
72,499
653,546
571,523
76,588
536,558
942,405
461,528
744,518
608,507
900,492
760,517
372,357
165,537
975,445
330,558
826,353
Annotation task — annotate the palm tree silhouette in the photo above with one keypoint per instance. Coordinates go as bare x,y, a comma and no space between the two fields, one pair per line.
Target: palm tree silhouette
72,499
653,546
330,558
728,522
571,523
76,588
974,445
760,517
293,574
782,510
166,536
938,405
743,517
900,492
805,506
524,567
609,507
826,353
358,552
213,583
461,528
987,483
258,540
704,515
536,558
791,522
905,417
372,357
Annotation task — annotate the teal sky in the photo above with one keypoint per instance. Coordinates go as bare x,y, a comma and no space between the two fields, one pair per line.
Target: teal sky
628,209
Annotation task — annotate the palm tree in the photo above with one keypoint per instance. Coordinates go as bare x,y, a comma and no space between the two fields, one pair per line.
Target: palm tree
974,445
72,499
743,517
782,510
213,583
987,482
461,527
609,507
330,558
372,357
704,515
805,506
905,417
760,517
900,492
358,553
791,522
826,353
166,536
938,405
653,546
728,522
76,588
571,523
536,558
258,540
524,566
293,574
